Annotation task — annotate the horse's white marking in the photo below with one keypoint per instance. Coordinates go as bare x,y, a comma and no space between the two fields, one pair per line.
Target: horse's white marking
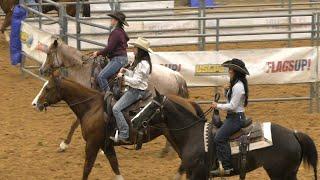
44,63
36,99
119,177
141,111
63,146
266,127
206,136
101,152
178,176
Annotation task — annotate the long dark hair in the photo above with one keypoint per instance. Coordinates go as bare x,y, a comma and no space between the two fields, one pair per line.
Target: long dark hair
142,55
119,25
239,77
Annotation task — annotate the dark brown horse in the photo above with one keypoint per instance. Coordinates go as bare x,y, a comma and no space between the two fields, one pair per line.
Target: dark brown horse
87,104
8,5
186,134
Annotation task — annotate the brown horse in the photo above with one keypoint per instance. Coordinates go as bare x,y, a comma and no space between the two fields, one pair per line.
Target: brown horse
87,104
8,5
70,61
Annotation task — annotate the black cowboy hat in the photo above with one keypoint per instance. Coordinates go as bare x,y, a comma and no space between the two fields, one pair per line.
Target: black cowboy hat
119,16
237,65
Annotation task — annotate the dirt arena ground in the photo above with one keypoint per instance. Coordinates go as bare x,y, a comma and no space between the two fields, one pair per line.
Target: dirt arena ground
29,139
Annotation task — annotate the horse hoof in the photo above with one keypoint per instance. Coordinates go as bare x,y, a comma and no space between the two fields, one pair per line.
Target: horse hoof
119,177
178,176
101,153
63,147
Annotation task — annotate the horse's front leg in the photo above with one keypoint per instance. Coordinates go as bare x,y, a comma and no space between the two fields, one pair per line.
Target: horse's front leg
111,155
64,144
92,148
7,22
166,150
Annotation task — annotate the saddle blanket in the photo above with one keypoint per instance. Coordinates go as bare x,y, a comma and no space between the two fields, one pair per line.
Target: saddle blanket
260,137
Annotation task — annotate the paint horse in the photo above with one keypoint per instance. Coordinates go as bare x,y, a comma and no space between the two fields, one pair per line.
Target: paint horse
188,134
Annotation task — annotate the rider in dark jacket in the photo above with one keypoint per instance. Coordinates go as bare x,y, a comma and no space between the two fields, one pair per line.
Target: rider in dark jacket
116,50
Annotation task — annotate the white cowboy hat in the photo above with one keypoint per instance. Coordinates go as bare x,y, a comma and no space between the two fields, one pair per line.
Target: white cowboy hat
143,44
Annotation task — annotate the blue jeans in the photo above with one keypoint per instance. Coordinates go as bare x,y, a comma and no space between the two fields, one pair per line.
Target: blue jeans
231,125
112,68
130,97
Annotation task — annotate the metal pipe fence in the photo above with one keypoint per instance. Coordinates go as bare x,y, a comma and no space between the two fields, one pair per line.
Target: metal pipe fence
204,32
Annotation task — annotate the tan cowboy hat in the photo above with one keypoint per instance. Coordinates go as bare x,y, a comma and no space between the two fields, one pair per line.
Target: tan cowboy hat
237,65
119,16
142,43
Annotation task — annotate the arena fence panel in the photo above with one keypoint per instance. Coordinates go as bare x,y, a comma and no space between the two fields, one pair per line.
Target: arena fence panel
182,26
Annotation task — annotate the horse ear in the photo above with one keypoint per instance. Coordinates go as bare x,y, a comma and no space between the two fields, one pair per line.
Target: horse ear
157,92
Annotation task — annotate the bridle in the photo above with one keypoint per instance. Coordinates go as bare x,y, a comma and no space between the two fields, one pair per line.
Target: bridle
57,87
59,65
159,110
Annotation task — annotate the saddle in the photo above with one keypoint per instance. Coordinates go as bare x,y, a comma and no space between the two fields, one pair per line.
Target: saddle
129,113
110,101
253,131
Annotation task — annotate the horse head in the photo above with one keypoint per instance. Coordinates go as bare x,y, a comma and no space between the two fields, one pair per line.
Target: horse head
48,95
151,114
60,55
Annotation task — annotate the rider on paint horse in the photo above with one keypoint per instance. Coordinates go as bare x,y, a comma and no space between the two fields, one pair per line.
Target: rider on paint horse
116,50
237,99
137,80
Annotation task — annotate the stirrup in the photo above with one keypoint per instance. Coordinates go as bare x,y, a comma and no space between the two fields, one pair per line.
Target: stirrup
220,171
117,139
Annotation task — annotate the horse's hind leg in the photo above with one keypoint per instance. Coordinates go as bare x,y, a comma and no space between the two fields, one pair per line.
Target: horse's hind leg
292,176
92,149
111,155
64,144
280,174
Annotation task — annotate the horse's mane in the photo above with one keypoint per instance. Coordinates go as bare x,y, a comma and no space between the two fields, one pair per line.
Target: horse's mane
188,105
79,86
71,53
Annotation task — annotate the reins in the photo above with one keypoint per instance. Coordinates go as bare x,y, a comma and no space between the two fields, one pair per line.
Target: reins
200,119
83,101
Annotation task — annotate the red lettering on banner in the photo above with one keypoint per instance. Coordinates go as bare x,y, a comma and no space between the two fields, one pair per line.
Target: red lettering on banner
289,66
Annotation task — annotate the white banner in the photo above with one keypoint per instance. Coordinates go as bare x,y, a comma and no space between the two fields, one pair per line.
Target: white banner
266,66
35,42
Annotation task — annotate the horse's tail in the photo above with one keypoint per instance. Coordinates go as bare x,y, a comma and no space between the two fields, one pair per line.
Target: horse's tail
86,10
309,151
183,88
